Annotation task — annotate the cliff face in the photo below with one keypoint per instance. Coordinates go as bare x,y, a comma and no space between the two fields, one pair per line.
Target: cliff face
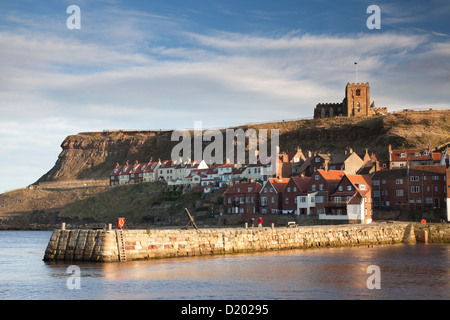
95,154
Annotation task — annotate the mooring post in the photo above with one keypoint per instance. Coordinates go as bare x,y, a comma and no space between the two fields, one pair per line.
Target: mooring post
109,226
63,226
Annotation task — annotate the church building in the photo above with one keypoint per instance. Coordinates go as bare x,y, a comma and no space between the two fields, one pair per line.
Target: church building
356,103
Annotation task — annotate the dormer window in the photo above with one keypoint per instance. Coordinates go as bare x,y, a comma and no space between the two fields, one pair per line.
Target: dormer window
403,155
416,154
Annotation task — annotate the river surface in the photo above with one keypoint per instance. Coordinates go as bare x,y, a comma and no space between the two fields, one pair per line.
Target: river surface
391,272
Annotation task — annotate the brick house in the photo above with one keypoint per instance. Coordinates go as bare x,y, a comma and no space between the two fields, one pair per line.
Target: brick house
114,175
242,198
320,186
411,188
295,187
271,195
352,200
349,162
399,158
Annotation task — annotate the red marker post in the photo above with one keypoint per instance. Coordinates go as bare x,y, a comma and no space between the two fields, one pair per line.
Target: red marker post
120,223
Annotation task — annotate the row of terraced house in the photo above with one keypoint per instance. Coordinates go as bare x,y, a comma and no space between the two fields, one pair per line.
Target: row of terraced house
341,186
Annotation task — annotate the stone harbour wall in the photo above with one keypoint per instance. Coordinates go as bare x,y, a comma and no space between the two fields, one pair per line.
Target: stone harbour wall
102,245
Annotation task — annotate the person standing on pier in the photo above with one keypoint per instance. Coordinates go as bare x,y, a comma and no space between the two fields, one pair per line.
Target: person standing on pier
260,221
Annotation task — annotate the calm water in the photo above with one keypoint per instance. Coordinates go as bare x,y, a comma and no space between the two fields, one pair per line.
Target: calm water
407,272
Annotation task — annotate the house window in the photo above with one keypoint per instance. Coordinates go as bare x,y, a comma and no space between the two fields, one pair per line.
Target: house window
287,200
340,188
302,199
398,181
403,155
321,187
317,177
435,178
337,199
376,182
349,188
399,193
414,178
288,189
416,154
313,187
376,193
273,199
229,200
319,199
263,201
415,189
294,189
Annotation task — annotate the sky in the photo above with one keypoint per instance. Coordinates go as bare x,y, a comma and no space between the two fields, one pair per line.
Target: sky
150,65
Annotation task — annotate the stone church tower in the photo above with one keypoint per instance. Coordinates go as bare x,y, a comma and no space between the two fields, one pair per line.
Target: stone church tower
357,99
356,103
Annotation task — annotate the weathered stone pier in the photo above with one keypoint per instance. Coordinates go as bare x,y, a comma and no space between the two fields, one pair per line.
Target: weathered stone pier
103,245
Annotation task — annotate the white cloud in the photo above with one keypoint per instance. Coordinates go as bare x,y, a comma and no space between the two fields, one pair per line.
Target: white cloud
62,85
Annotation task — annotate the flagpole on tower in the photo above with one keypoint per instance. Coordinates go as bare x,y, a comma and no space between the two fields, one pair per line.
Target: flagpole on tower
356,72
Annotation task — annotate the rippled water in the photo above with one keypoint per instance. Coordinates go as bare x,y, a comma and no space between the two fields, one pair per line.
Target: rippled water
406,272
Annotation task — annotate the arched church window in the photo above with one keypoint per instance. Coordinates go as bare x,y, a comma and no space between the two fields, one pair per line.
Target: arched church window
331,112
358,107
323,112
358,92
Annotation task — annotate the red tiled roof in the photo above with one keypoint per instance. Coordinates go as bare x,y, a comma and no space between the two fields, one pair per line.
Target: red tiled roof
279,183
116,171
226,165
301,182
244,187
411,155
332,175
356,180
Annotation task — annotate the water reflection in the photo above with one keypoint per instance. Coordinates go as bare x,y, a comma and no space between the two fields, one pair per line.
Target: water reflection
407,272
334,273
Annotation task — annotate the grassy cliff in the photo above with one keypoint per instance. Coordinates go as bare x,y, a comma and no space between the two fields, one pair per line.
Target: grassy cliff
94,154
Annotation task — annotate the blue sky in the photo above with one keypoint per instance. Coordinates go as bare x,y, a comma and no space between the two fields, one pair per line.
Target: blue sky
165,64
